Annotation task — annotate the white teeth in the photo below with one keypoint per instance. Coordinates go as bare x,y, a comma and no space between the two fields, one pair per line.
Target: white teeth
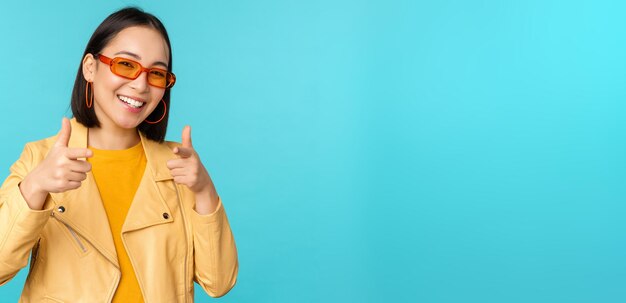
132,102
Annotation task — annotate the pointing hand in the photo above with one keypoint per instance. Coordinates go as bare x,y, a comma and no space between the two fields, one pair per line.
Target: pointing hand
60,171
188,169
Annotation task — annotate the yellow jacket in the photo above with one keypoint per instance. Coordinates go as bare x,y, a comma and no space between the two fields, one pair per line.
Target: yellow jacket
73,256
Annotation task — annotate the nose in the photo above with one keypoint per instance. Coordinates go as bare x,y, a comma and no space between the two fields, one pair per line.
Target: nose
141,82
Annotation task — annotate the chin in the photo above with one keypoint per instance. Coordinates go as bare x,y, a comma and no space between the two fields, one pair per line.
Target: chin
128,123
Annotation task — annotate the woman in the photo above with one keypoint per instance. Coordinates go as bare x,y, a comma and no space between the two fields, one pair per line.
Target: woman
109,210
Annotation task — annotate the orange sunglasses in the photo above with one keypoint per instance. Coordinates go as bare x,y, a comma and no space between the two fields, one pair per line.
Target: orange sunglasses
131,69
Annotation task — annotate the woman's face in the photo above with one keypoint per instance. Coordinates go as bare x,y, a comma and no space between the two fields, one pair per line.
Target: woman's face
144,45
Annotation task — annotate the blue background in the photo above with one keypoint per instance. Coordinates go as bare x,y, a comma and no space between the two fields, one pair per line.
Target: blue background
379,151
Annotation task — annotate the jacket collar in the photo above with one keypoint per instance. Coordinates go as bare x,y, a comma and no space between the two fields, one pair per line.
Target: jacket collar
156,154
83,209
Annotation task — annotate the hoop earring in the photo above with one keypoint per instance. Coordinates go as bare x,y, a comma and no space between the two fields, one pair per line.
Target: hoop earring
87,96
164,112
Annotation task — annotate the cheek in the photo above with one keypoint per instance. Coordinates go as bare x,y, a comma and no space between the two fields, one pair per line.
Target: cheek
105,85
156,94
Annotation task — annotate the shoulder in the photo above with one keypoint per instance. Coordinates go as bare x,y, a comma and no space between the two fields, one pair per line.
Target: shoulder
40,148
34,152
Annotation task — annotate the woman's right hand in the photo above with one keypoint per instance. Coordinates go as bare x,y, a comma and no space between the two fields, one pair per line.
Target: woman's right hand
60,171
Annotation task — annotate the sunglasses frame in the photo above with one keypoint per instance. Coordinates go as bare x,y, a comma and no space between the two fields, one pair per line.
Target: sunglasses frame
170,77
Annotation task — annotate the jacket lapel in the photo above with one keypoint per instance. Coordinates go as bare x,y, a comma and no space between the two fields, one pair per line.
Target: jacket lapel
149,206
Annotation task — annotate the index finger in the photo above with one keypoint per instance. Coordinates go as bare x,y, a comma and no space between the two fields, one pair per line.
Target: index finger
75,153
183,152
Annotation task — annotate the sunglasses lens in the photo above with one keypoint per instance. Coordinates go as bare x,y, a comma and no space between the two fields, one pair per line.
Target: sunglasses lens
158,78
125,68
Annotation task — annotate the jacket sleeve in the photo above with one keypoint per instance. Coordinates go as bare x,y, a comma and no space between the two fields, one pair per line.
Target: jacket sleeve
20,226
215,253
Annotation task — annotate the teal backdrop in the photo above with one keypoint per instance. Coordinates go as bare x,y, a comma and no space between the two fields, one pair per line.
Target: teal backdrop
378,151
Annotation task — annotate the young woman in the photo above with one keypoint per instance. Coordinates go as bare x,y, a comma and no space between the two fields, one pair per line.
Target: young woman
109,211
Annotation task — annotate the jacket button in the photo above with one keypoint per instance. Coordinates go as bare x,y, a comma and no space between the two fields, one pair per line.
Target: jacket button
61,209
166,216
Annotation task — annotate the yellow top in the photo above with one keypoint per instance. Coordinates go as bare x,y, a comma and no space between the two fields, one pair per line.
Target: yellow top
117,174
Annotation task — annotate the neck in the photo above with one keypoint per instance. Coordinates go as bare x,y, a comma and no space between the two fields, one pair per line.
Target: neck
112,138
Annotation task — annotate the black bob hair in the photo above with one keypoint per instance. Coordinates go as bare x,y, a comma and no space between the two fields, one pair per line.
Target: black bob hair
106,31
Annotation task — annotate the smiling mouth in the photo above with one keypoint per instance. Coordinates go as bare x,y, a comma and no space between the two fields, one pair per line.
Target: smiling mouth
131,102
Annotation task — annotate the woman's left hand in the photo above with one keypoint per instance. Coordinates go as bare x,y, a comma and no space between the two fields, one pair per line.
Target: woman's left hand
189,170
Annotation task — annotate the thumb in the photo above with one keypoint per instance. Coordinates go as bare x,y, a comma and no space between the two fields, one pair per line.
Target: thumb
64,134
187,136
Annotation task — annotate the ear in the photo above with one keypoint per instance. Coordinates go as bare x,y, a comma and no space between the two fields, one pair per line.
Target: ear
89,67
